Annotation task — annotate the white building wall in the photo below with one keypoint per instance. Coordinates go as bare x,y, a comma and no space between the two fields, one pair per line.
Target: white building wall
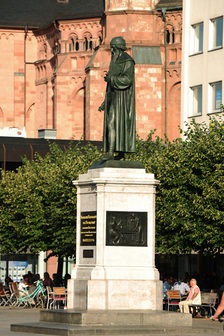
41,264
204,67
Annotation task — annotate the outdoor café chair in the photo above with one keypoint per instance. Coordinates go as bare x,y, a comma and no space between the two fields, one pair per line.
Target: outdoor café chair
59,296
173,298
4,296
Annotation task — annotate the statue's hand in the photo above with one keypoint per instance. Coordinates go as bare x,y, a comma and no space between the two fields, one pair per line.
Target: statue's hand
102,107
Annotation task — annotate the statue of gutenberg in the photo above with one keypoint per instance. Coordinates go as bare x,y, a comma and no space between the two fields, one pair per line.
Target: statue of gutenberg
119,133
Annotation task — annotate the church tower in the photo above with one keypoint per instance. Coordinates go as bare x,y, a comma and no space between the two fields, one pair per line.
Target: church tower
113,5
129,18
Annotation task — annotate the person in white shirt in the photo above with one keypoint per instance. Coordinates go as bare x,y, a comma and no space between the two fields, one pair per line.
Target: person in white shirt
182,287
24,286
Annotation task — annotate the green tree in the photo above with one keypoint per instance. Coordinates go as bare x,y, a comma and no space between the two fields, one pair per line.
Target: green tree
190,196
38,201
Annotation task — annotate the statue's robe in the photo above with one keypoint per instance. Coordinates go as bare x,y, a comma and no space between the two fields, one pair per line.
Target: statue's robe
120,95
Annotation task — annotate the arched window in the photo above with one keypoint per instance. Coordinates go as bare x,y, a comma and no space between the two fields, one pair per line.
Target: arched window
167,36
100,38
170,35
173,36
87,43
45,50
71,45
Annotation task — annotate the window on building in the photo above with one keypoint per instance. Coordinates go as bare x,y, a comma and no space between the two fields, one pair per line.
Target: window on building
71,45
170,35
216,32
215,96
197,38
87,44
77,46
100,40
167,36
196,100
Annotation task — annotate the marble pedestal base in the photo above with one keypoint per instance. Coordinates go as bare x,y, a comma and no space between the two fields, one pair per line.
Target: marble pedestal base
117,269
115,294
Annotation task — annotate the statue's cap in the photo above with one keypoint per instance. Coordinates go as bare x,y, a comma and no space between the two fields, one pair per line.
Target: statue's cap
119,42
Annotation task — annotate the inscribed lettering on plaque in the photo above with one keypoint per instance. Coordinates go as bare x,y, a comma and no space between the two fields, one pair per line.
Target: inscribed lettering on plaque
88,228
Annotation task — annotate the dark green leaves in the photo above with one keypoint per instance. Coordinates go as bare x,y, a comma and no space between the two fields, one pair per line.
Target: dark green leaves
190,196
38,202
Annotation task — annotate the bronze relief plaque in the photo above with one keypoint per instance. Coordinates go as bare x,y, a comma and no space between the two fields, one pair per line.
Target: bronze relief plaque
126,228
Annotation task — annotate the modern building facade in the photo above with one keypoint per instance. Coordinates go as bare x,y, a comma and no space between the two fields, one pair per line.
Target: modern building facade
202,62
55,53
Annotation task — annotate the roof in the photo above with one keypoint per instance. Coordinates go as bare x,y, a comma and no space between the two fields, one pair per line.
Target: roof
169,4
13,149
40,13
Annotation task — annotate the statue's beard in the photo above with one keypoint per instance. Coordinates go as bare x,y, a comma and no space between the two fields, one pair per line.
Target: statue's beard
115,54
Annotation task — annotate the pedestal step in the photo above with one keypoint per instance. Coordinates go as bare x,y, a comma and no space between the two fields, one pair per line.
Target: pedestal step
117,318
71,323
72,330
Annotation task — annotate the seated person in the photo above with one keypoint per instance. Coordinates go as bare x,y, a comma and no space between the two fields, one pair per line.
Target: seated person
2,289
7,281
194,297
167,285
24,286
66,278
47,280
182,287
57,281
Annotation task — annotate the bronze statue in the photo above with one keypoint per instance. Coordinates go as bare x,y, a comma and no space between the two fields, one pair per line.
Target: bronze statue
119,105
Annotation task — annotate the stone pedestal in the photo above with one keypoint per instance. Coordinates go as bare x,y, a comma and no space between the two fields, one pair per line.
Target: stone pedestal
115,287
115,256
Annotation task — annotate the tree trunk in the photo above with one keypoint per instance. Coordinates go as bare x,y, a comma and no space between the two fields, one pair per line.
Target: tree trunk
60,267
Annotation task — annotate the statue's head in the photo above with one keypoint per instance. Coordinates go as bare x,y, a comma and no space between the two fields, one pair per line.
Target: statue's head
118,42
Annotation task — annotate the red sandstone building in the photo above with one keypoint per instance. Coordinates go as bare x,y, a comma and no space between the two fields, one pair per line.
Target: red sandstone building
54,55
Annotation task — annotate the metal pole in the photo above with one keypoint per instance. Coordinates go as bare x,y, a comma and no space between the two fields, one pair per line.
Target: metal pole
165,68
25,37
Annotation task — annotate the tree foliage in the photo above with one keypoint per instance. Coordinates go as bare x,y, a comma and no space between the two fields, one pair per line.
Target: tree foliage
38,201
190,196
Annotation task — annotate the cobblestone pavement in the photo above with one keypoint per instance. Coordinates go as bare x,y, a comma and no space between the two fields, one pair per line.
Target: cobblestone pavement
16,315
20,315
